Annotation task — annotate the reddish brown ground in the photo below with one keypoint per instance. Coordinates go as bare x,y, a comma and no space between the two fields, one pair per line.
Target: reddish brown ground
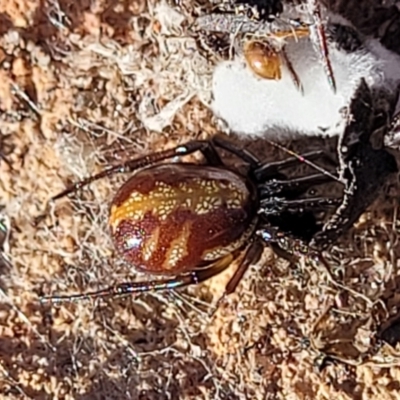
83,83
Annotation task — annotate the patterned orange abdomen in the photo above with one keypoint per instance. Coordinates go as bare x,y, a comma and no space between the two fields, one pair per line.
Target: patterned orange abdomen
172,217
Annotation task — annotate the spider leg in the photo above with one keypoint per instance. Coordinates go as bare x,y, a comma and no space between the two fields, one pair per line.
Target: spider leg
131,165
282,253
244,154
211,155
252,255
280,242
291,187
275,206
182,280
265,171
268,170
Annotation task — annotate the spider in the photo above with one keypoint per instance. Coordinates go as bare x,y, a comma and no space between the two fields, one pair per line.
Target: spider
190,221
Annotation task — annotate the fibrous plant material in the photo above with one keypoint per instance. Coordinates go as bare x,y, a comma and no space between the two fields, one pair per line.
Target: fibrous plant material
86,80
299,100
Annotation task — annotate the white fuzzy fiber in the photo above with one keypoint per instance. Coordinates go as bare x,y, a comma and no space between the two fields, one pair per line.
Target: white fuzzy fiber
277,109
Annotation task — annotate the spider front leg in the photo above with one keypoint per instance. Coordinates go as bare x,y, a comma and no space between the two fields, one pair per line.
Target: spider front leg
283,208
290,188
271,169
297,218
263,171
132,165
275,206
206,147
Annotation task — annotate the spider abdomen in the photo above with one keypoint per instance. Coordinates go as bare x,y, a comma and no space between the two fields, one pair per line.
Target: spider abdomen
171,217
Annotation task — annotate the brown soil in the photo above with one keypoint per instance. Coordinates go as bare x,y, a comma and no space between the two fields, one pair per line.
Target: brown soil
86,83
